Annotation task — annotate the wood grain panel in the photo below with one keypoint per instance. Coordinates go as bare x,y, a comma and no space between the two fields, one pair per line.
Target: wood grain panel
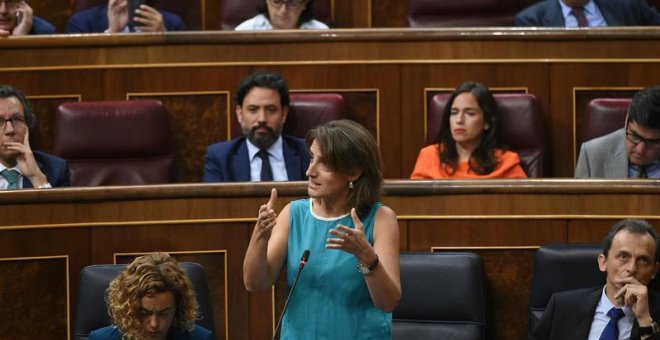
34,289
509,279
480,233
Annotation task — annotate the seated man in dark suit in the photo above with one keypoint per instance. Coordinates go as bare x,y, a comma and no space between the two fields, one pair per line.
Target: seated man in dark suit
20,167
630,152
624,308
588,13
113,18
17,18
263,153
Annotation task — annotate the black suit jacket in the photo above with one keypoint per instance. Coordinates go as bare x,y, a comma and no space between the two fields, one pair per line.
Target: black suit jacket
56,170
229,161
615,12
569,315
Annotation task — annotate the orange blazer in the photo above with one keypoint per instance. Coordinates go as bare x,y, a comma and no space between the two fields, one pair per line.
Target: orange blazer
428,166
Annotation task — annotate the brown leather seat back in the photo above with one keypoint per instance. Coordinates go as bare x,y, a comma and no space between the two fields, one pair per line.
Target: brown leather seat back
115,142
602,116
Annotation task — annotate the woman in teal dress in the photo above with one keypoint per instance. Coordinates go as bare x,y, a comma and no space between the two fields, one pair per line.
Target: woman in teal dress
351,283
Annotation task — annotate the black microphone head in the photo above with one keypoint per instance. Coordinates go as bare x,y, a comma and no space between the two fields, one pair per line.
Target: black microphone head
303,259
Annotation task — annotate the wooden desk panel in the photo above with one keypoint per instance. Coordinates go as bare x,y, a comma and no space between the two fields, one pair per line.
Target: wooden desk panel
502,220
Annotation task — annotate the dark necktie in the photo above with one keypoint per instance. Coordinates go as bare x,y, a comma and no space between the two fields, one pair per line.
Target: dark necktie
12,177
642,171
578,13
611,331
266,171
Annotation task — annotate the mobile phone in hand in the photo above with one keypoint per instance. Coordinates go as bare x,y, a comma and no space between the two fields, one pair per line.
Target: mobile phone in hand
132,6
19,18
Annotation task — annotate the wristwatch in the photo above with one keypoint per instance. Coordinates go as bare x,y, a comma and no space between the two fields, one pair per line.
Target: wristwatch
649,330
367,269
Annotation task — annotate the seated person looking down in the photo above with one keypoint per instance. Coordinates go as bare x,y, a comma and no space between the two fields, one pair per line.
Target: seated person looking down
468,145
152,299
588,13
20,167
17,18
624,308
630,152
113,18
263,153
282,14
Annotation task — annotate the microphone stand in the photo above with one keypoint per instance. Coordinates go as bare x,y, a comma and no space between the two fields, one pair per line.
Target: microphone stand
303,262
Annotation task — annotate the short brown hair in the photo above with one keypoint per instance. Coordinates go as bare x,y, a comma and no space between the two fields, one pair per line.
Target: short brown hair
348,147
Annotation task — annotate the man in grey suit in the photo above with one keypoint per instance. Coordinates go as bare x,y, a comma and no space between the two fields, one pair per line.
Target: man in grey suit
630,152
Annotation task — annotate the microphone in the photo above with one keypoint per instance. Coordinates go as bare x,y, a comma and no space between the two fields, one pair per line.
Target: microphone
303,261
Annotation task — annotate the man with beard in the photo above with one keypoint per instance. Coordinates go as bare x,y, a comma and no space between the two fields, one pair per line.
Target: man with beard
263,153
20,167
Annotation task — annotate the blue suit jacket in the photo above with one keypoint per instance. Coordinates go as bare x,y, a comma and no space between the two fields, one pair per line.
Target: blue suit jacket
615,12
95,20
229,161
56,170
41,26
113,333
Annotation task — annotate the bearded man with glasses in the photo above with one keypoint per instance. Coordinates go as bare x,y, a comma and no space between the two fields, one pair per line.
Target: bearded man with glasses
282,14
20,166
630,152
17,18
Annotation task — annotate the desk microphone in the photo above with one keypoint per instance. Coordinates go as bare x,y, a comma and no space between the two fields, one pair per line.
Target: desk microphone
303,262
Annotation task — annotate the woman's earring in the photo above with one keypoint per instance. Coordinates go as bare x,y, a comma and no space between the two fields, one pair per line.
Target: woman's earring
350,185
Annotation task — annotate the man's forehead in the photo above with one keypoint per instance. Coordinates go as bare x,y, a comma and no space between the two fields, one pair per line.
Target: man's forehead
624,240
10,105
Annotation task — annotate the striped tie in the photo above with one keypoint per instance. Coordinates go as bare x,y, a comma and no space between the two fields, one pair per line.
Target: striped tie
12,177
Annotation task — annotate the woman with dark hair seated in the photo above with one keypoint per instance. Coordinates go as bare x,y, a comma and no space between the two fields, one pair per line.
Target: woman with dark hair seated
283,14
468,145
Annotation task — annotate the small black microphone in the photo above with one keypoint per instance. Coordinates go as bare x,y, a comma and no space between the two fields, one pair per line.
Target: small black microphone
303,261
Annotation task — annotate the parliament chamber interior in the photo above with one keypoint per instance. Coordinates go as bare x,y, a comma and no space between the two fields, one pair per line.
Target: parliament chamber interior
149,104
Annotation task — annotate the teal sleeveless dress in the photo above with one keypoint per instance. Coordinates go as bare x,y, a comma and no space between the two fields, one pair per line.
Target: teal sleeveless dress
331,300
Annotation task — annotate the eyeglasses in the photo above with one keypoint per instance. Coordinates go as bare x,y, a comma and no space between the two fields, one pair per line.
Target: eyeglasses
637,139
10,3
16,122
289,3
